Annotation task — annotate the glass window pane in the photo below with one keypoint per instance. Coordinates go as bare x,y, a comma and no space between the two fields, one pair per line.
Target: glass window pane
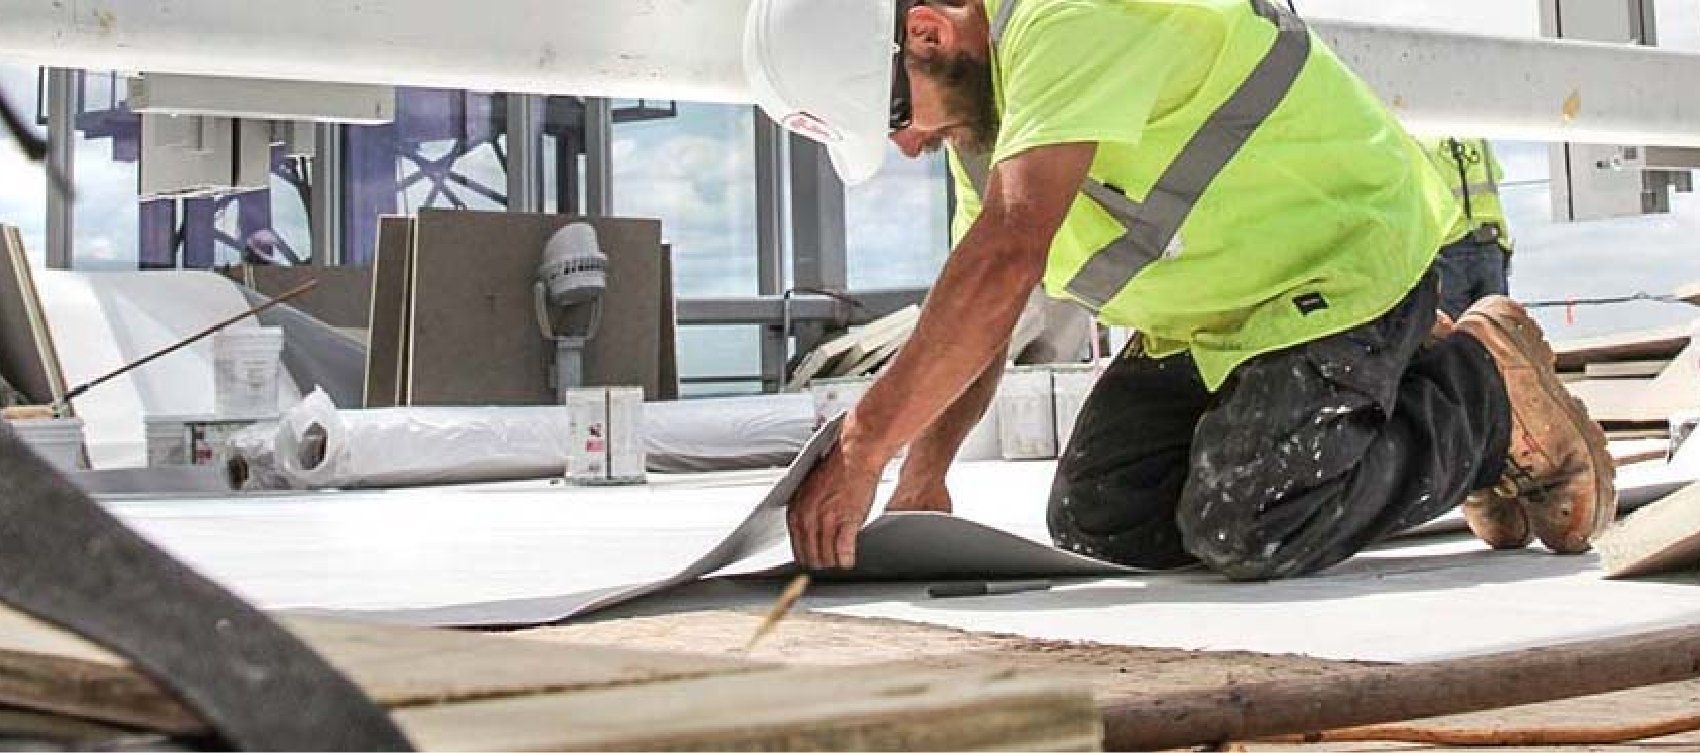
720,360
898,224
696,173
23,191
445,150
106,168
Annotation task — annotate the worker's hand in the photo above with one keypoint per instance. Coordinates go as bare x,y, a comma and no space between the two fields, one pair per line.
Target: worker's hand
828,511
920,490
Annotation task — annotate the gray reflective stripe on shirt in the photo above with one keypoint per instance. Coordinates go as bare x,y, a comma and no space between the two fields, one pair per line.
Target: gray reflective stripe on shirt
1001,23
1153,224
1159,218
1477,189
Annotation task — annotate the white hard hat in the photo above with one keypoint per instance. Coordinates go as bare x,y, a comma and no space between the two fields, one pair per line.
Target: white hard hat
823,68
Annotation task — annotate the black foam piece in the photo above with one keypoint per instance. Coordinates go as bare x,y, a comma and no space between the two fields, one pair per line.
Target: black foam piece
65,560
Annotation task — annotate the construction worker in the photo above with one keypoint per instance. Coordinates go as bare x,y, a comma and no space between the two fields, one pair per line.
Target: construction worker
1209,173
1476,261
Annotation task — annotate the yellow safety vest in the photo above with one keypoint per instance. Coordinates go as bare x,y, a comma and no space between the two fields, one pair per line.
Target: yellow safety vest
1472,173
1279,202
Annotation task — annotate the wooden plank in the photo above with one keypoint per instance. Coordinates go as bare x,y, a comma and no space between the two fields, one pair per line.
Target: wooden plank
474,334
1644,401
469,691
1661,537
869,708
1665,342
27,354
46,669
1625,369
388,315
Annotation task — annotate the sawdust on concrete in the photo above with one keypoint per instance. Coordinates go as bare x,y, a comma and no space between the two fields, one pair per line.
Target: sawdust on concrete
814,639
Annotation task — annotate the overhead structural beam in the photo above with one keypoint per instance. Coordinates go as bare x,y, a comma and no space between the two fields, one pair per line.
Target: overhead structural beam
1535,89
656,49
1523,88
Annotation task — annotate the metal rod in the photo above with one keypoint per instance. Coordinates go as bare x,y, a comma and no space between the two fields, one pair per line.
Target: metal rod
82,389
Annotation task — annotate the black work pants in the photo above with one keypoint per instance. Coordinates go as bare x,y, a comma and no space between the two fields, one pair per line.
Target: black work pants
1303,458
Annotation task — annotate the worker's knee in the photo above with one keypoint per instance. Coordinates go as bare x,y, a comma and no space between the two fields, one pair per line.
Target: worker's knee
1105,518
1229,538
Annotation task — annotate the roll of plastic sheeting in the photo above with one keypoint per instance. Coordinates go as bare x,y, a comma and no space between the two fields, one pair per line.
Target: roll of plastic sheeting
727,434
317,446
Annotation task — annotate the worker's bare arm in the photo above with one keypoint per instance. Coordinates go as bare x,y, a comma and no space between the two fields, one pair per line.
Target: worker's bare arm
921,488
965,324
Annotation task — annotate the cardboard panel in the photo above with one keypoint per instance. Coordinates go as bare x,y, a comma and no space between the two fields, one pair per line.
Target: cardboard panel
474,338
28,359
389,298
342,299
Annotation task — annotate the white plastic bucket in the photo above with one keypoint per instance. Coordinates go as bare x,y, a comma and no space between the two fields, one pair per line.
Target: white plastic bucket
1071,383
58,440
983,443
168,441
1027,427
245,367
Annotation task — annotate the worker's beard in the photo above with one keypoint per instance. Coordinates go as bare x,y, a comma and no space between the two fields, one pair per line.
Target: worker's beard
969,99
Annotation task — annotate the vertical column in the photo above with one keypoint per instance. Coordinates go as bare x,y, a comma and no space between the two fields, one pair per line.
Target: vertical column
598,157
770,244
369,155
817,230
156,234
62,109
325,213
200,232
525,161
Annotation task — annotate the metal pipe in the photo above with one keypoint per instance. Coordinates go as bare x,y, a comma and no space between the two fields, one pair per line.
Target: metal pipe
659,49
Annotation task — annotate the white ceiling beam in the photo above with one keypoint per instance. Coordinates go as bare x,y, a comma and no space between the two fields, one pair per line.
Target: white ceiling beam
1535,89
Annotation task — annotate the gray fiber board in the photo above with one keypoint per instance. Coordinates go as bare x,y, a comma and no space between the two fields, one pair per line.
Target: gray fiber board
388,316
761,529
895,547
343,297
474,338
27,355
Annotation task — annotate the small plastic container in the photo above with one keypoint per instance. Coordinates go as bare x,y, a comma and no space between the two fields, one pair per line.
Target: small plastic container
246,361
1027,426
168,441
58,440
1071,383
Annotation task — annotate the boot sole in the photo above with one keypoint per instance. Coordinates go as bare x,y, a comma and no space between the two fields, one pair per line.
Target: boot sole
1593,437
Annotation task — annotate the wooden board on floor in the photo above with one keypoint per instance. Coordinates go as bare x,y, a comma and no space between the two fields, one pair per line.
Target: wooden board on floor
1625,369
28,358
474,338
813,709
1655,344
1659,538
386,345
469,691
1644,401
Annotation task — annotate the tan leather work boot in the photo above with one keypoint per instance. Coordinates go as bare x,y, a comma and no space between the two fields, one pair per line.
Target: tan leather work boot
1500,522
1557,467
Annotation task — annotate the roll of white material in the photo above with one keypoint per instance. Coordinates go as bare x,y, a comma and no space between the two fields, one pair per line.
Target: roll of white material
319,447
246,362
58,440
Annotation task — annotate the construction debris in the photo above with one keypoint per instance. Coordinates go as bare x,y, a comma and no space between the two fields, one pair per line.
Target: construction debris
1659,538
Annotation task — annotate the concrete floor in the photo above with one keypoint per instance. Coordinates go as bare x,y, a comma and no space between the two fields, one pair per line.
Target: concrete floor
1418,599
